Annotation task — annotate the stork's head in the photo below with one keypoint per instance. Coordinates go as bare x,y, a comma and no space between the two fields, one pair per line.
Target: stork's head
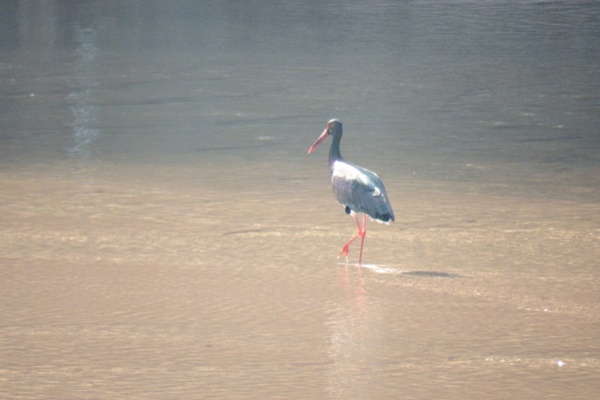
333,126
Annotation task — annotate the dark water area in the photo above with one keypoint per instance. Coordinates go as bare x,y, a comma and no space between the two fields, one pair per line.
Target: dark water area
163,233
497,93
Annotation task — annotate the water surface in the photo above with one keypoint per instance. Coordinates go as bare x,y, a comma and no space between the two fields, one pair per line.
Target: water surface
164,233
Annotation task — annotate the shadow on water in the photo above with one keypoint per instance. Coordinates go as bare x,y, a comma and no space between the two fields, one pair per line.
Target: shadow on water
393,271
432,274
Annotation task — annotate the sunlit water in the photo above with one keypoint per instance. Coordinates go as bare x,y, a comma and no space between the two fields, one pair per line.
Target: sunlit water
165,235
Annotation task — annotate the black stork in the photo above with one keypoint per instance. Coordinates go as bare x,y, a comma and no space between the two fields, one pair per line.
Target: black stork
357,189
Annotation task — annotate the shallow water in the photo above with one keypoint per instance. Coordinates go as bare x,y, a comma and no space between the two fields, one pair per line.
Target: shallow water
164,233
122,288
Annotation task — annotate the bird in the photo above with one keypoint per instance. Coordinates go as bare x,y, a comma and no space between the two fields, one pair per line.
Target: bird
356,188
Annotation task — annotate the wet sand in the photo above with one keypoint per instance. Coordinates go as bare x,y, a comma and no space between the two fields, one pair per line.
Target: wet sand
131,282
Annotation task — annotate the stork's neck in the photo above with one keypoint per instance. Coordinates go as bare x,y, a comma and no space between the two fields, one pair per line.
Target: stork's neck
334,150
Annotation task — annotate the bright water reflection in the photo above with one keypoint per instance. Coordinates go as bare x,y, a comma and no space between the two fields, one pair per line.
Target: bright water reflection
81,95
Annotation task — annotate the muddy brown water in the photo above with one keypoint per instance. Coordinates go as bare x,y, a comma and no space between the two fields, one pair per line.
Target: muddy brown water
117,286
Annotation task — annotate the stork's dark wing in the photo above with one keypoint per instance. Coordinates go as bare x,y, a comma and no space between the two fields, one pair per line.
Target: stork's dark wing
361,190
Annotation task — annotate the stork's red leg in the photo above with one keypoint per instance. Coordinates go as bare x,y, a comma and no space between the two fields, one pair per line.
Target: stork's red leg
361,234
362,238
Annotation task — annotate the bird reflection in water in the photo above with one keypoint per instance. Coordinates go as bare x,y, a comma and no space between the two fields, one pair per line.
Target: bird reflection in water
354,329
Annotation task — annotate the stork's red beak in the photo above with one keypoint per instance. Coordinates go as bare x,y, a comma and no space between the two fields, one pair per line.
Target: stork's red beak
319,140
